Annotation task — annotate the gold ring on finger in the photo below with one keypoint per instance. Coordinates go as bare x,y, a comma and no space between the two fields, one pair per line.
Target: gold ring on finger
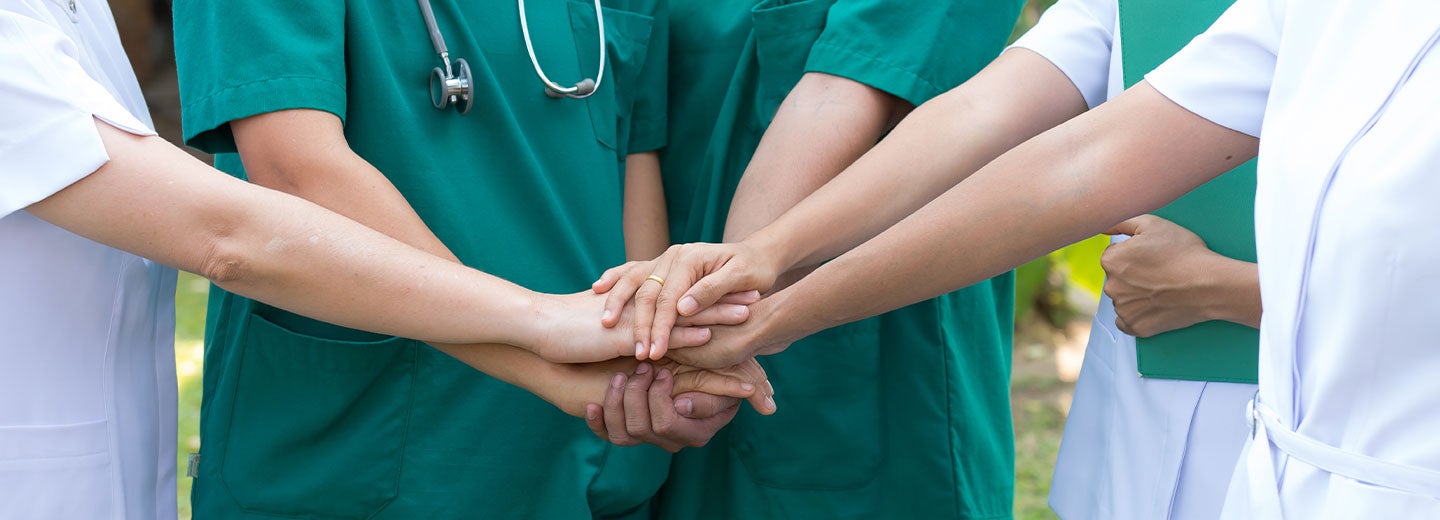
656,279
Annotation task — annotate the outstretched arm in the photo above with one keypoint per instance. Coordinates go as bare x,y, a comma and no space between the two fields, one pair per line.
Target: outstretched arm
1131,155
941,143
156,201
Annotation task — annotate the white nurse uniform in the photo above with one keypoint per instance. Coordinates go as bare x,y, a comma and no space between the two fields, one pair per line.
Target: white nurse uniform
1345,97
87,374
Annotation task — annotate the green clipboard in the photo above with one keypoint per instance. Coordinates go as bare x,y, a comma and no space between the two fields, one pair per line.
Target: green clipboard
1221,212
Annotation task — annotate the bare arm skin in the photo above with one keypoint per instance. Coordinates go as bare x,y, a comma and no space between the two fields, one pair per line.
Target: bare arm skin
1164,278
938,145
153,200
1127,157
647,230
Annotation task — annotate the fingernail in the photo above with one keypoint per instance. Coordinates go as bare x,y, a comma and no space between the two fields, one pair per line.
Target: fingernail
654,350
663,375
592,413
607,315
639,349
747,387
685,407
644,368
739,312
770,401
618,380
687,305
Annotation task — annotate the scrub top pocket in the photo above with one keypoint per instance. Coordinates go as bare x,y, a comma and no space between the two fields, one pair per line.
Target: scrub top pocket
839,393
307,409
627,43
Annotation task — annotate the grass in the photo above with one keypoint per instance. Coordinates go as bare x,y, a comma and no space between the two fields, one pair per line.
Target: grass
189,353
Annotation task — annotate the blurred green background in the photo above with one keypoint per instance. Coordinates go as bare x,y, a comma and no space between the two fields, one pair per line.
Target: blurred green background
1055,295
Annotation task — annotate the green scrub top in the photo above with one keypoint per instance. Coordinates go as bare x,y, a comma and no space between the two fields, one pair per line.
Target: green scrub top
305,419
904,415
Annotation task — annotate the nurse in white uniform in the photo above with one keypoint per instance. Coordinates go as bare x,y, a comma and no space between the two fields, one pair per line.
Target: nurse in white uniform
87,374
1133,447
1343,94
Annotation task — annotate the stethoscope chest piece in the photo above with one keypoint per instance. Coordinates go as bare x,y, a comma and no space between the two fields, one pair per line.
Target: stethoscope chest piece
457,89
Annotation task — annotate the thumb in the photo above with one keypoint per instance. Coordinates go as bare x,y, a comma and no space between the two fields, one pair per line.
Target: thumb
715,286
696,405
1129,227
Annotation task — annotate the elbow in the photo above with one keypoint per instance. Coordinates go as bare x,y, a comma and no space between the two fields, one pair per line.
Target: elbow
225,261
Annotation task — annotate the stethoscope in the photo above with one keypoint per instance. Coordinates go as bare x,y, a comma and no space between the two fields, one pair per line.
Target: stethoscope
447,87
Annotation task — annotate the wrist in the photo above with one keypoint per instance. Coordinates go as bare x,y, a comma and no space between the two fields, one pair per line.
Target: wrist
535,314
1233,291
774,254
774,328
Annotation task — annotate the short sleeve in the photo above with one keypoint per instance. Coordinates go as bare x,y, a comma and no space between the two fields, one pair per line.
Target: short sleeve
1224,75
240,58
48,106
648,121
1076,36
913,49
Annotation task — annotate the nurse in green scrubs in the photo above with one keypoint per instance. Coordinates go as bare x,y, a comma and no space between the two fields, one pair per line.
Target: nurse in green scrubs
923,431
302,418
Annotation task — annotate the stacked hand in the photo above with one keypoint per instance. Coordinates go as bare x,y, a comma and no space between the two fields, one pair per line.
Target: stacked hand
668,403
686,282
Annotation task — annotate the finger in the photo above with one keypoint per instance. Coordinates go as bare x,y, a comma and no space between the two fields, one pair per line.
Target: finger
637,403
615,413
699,357
610,276
1122,326
594,418
645,298
714,286
668,424
1130,227
764,399
683,337
714,383
699,405
621,294
679,280
741,298
718,314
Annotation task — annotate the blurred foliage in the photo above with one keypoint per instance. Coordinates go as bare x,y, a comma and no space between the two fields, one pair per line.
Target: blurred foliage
1041,285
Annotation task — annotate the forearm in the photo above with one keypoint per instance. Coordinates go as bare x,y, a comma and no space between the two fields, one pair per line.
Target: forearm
823,125
1064,185
1234,292
938,145
647,232
155,201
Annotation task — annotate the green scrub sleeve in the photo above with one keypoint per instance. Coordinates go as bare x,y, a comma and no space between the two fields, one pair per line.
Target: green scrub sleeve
913,49
239,58
648,131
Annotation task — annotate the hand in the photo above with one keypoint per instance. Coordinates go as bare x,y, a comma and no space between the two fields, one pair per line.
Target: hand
695,277
567,332
640,409
765,333
1165,278
571,387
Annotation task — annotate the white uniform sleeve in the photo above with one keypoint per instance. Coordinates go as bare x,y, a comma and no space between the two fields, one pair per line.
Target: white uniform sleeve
1224,75
1076,36
48,103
